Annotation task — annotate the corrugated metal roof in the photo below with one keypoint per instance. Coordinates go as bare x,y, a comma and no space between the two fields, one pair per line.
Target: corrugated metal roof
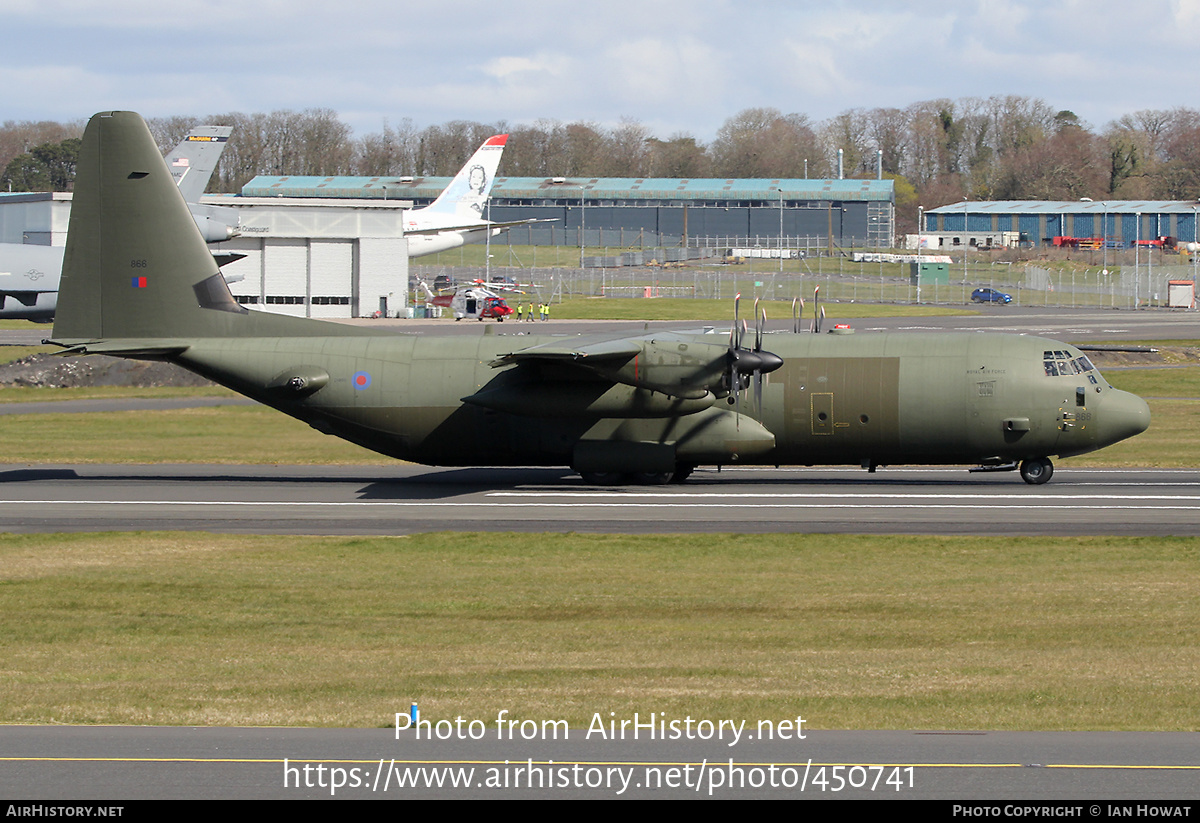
610,188
1068,207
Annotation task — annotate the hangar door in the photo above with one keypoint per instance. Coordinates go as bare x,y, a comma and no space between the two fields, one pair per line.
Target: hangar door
331,264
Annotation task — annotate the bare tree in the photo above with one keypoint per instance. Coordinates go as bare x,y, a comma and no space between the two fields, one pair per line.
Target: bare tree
679,157
389,152
763,142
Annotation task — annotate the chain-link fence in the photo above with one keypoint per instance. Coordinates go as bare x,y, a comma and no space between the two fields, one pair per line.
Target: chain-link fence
840,278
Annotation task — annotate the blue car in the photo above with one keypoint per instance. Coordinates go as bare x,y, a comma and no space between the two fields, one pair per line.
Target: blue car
990,296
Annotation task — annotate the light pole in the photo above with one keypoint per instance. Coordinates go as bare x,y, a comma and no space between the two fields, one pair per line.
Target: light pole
582,227
1137,251
1104,237
920,222
781,233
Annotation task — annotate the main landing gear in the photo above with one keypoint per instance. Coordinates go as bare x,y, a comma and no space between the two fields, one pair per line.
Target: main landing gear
680,474
1036,470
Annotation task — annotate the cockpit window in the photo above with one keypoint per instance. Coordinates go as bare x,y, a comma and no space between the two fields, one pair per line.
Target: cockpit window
1061,364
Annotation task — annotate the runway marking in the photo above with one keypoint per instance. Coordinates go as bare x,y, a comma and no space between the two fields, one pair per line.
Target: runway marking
745,763
1048,504
888,470
848,495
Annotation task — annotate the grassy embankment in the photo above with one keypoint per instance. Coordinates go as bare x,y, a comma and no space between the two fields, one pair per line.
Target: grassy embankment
850,632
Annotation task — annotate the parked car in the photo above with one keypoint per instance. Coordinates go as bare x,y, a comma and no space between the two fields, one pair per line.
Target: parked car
990,296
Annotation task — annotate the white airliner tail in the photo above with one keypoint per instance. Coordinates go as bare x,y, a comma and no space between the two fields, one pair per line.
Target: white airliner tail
462,201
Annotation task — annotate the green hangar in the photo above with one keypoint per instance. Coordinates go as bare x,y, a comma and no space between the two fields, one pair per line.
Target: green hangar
628,211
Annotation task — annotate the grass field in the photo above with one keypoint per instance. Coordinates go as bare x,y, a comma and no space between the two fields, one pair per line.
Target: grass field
10,353
850,632
219,434
779,312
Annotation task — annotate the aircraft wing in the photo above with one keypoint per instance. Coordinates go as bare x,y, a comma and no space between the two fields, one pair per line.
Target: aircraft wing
607,352
478,226
660,362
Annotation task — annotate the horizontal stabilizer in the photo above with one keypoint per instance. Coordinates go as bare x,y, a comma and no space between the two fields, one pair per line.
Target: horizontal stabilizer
143,349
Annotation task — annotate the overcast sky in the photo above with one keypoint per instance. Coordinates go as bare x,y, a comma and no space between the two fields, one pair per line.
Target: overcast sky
675,66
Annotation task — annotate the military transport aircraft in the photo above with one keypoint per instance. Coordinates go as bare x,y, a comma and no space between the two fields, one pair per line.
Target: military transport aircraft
29,274
138,282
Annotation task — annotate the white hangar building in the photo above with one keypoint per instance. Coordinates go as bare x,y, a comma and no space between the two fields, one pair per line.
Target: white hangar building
304,257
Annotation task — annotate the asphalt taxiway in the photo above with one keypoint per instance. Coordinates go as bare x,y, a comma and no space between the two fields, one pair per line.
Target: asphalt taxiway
1068,324
125,763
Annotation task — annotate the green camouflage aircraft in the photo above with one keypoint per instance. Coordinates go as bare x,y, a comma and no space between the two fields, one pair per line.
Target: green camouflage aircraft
139,282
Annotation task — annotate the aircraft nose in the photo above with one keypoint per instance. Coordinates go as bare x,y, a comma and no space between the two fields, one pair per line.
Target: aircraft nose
1125,415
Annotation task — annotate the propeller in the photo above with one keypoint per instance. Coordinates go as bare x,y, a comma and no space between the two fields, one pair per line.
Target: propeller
760,323
797,313
744,363
818,312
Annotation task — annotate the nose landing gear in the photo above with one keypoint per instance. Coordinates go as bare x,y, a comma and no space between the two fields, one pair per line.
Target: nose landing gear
1036,470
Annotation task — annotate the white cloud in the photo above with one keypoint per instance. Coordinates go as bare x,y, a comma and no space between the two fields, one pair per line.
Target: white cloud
676,66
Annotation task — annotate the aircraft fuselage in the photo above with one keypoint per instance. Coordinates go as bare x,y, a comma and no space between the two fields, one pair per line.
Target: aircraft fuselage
869,399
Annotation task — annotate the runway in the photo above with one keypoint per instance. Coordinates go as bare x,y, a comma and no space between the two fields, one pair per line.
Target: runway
405,499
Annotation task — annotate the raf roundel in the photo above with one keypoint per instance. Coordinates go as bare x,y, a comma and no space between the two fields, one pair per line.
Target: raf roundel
361,380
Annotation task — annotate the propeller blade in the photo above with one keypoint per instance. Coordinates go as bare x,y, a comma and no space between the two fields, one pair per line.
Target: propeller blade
732,380
737,302
745,365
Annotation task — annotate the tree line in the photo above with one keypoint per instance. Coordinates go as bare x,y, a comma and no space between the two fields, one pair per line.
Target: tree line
938,151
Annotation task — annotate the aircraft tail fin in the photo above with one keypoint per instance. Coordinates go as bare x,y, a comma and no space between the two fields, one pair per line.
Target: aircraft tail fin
193,161
463,199
135,265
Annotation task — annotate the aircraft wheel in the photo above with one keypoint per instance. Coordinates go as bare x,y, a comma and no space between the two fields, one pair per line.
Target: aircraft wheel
682,472
601,478
1036,471
652,478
